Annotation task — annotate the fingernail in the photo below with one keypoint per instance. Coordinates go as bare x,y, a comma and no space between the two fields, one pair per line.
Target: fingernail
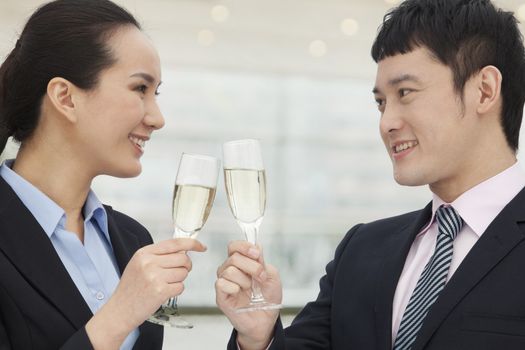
253,253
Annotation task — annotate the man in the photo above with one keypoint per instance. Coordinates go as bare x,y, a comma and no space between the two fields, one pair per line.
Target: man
449,88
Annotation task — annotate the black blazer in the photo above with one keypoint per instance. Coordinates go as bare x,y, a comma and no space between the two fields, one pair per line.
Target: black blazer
482,306
40,306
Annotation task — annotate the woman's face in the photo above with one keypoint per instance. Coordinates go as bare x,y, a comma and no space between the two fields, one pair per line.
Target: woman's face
118,116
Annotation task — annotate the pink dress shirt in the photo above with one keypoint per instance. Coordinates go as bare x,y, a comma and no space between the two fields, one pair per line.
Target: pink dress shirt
478,207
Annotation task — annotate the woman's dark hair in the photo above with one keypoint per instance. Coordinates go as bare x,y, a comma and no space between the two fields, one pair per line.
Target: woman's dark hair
63,38
465,35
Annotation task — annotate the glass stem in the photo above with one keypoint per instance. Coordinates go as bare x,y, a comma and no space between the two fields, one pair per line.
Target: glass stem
170,306
251,231
172,303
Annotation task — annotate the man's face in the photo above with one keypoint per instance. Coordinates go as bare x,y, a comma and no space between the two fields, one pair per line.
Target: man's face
427,129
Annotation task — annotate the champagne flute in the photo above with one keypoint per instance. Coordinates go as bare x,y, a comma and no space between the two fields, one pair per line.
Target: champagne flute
245,182
195,187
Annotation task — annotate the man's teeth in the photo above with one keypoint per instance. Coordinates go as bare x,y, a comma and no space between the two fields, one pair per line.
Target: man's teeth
139,142
403,146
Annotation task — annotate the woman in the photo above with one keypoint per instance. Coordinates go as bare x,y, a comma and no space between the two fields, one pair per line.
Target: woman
79,93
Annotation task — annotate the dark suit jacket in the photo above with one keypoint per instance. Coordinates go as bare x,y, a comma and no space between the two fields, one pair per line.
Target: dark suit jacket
40,306
482,306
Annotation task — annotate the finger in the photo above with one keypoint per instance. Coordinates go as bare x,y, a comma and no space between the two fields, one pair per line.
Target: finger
221,268
223,286
177,245
234,275
175,275
174,260
175,289
247,265
272,271
245,248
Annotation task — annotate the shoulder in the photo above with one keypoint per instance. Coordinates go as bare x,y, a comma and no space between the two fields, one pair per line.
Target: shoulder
365,242
392,223
373,232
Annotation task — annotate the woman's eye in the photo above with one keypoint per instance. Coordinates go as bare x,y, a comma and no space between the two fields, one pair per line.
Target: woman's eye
143,89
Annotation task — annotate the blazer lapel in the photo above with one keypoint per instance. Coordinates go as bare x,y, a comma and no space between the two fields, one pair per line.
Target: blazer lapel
502,235
400,243
125,243
28,247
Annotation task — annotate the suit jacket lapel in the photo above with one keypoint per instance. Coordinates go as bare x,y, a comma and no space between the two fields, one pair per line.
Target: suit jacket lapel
399,243
502,235
124,246
28,247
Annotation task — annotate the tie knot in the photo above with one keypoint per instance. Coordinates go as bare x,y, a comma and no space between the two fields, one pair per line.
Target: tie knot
449,221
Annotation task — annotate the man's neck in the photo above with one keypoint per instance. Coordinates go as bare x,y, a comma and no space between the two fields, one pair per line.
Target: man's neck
450,189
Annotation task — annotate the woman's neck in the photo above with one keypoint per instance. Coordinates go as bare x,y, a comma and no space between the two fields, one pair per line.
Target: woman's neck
59,178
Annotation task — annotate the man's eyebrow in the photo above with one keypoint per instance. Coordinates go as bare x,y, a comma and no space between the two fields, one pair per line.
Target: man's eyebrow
397,80
403,78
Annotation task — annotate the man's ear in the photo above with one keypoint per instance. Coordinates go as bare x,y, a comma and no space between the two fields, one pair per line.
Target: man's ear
60,93
489,86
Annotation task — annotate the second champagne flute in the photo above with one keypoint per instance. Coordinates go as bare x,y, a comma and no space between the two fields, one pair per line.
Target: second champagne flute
245,182
193,197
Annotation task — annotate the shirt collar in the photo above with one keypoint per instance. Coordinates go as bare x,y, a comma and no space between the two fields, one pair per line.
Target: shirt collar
45,210
49,214
480,205
93,209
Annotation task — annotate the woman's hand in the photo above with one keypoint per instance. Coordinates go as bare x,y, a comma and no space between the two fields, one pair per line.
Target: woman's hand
154,274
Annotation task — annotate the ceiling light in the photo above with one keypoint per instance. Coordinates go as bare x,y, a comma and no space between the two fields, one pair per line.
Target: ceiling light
206,37
220,13
317,48
521,13
349,26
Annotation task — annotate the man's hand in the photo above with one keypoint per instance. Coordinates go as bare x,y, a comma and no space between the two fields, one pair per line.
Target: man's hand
233,290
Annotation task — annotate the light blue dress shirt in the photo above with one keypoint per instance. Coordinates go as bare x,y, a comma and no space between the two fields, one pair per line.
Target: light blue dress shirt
92,265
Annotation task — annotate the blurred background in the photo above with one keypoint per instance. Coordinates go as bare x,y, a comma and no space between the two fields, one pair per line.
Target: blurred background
296,74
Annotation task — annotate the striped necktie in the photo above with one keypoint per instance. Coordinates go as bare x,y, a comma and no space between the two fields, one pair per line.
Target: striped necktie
432,280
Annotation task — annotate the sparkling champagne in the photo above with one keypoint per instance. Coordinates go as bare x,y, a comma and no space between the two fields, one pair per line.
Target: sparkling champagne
191,208
246,189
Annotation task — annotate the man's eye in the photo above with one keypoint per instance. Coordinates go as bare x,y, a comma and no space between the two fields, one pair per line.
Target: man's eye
404,92
380,102
142,88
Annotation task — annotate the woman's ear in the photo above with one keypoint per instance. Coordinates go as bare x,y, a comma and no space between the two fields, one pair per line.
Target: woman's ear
60,93
489,86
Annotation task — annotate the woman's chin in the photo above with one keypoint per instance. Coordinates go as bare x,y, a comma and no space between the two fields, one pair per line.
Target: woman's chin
126,172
